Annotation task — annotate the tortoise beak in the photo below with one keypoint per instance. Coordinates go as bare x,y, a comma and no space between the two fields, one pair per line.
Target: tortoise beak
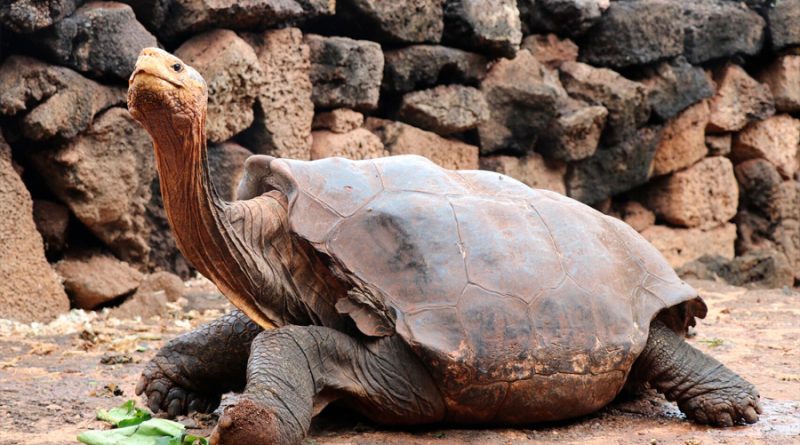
152,71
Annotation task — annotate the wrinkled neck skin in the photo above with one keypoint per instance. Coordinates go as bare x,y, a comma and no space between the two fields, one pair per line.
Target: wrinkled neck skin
256,272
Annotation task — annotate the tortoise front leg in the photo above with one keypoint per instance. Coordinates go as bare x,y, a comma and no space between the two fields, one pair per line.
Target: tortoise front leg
706,391
295,371
192,371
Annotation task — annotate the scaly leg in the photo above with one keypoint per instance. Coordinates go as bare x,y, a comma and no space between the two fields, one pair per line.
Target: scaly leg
295,371
192,371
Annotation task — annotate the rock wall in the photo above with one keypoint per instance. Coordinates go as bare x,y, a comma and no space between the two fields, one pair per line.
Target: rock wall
677,116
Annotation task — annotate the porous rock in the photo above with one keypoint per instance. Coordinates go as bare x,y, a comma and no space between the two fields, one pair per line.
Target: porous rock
680,245
756,269
531,169
52,222
29,288
523,99
283,108
634,33
226,165
720,28
418,67
193,16
625,100
231,69
550,49
399,138
703,195
636,215
719,144
784,23
488,26
445,109
355,144
58,101
674,86
614,168
345,72
783,78
104,177
94,278
564,17
575,133
340,120
102,39
151,297
26,16
739,99
775,139
683,142
409,21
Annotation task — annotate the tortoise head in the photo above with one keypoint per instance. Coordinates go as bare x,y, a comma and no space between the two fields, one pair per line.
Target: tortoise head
163,89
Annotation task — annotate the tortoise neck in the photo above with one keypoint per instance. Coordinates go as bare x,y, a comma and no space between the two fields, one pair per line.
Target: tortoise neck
195,211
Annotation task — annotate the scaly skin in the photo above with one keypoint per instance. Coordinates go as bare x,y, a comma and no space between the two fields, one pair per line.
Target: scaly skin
295,371
191,372
706,391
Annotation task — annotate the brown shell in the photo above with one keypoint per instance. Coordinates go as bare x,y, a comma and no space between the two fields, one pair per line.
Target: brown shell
490,281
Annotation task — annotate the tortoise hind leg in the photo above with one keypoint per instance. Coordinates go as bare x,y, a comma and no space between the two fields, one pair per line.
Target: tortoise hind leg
295,371
706,391
192,371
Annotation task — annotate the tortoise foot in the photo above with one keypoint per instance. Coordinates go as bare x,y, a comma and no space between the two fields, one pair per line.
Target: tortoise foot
166,390
247,422
724,407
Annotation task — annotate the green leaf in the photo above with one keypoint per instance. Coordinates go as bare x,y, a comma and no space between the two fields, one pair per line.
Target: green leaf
124,415
149,432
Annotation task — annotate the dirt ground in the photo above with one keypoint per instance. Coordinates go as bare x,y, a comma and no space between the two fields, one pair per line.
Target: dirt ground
54,377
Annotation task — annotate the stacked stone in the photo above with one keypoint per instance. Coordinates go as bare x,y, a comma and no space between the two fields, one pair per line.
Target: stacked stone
649,110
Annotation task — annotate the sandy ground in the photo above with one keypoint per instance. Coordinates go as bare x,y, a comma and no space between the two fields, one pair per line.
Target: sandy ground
54,377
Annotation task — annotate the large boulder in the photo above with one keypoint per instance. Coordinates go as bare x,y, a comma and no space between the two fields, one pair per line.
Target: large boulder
703,195
284,110
634,33
104,177
402,139
564,17
29,288
234,77
783,78
25,16
408,21
58,101
445,109
575,133
551,50
94,278
102,39
681,246
355,144
418,67
345,72
614,169
720,28
192,16
523,98
674,86
625,100
531,169
775,139
740,99
784,23
487,26
683,142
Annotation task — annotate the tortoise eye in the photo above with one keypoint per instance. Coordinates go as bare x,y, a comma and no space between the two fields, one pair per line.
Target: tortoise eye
177,67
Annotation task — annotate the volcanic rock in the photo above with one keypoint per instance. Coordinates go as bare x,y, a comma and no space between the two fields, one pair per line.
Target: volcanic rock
739,100
486,26
674,86
399,138
418,67
409,21
356,144
92,279
683,142
340,120
533,170
445,109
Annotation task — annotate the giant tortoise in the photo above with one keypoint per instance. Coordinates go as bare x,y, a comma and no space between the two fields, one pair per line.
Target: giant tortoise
410,293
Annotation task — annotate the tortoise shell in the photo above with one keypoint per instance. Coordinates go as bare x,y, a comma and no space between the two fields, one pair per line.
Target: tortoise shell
492,283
